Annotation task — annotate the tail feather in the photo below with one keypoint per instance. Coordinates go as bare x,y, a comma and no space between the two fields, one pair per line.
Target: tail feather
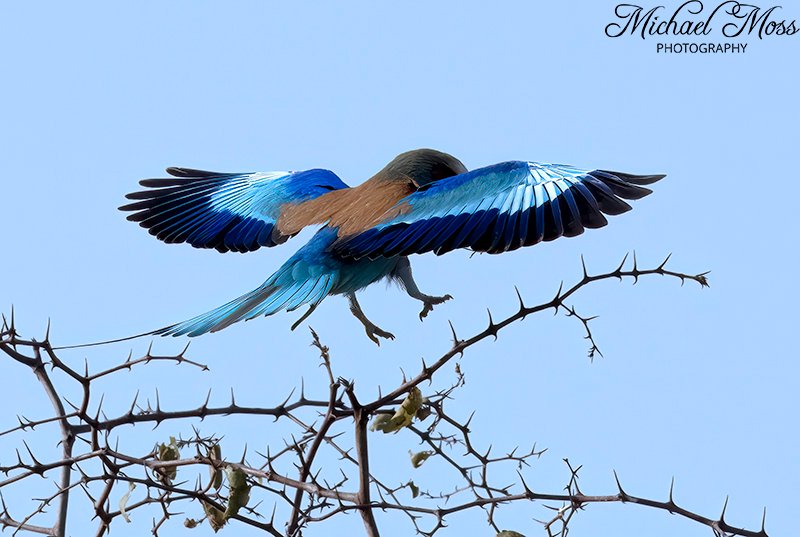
218,318
287,289
311,292
319,290
106,342
306,278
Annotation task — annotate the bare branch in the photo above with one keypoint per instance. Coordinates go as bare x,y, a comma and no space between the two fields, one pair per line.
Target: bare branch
328,427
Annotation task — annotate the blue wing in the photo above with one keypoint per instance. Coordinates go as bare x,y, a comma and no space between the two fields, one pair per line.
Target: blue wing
227,211
496,209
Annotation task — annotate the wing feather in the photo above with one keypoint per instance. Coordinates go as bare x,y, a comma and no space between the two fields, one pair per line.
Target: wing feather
226,211
497,209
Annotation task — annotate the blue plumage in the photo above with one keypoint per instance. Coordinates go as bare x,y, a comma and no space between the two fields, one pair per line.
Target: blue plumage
496,209
228,212
422,201
306,278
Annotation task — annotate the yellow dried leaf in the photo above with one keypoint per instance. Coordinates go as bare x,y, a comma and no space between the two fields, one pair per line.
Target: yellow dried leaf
418,458
123,502
402,416
379,422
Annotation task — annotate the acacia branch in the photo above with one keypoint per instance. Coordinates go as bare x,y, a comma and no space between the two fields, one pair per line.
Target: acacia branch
557,302
308,497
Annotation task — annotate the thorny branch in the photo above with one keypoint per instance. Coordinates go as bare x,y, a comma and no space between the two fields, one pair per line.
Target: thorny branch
290,481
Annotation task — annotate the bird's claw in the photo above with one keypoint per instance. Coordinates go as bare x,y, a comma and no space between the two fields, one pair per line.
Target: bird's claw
430,303
373,331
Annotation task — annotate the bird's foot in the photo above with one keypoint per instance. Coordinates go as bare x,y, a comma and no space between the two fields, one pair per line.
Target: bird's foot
430,302
373,332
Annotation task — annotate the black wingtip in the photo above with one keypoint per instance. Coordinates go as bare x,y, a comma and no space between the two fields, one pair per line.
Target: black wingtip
161,182
637,179
176,171
625,185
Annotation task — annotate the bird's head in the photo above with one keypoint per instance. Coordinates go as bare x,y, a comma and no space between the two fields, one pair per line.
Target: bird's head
424,166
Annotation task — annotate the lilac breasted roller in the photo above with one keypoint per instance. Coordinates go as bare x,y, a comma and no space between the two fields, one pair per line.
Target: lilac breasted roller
422,201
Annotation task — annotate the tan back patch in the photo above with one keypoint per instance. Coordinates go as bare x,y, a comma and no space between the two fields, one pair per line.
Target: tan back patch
352,210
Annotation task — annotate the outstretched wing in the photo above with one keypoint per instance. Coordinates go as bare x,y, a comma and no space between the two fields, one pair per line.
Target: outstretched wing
496,209
226,211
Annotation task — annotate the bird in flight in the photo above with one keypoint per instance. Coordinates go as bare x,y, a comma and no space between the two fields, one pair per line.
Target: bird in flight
422,201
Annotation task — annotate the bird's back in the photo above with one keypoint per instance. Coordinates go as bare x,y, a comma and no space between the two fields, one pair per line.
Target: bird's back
355,209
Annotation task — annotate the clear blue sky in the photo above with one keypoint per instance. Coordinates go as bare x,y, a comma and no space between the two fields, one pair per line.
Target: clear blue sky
696,384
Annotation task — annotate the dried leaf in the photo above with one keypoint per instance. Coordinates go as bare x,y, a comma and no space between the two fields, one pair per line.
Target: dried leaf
379,422
168,452
240,491
123,502
216,518
403,416
215,454
424,411
238,498
418,458
414,489
190,523
509,533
